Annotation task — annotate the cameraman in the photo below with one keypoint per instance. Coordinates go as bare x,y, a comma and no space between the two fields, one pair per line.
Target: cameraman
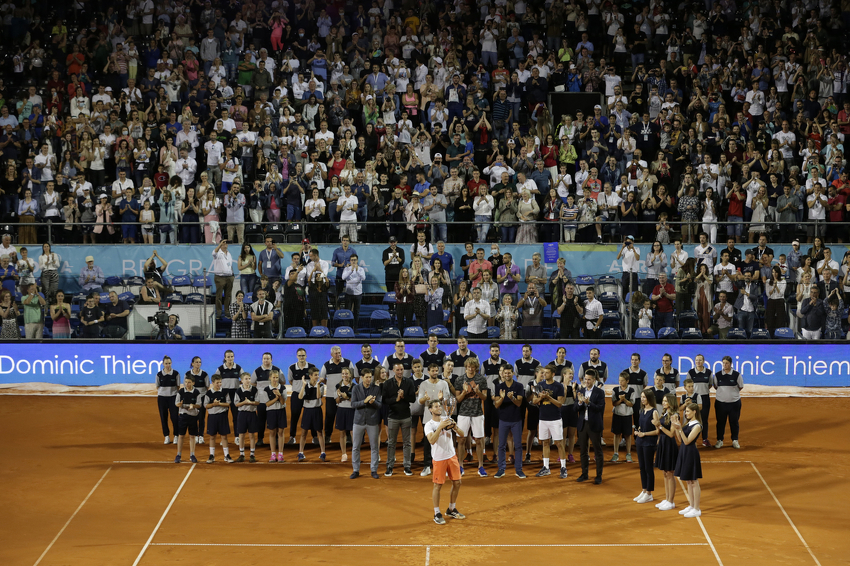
172,331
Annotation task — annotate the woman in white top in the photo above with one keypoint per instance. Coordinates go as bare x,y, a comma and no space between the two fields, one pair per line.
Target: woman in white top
483,207
489,292
96,157
348,176
709,215
314,211
804,288
168,156
50,204
774,316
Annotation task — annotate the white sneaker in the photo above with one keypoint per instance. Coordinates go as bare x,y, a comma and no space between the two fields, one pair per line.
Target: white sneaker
647,498
735,444
642,497
291,440
167,440
719,444
200,440
535,442
426,471
687,509
668,505
663,502
693,513
641,494
602,442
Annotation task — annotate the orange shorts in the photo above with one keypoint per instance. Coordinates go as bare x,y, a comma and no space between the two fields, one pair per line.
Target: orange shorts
449,467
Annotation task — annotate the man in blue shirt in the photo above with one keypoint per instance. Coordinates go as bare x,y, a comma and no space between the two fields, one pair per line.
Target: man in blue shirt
361,190
422,187
379,81
269,261
354,275
455,99
129,208
340,259
445,257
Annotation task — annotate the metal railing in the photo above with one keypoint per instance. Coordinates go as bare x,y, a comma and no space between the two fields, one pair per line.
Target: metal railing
56,231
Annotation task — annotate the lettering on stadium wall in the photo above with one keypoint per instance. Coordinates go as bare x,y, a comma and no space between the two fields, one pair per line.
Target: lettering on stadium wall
111,365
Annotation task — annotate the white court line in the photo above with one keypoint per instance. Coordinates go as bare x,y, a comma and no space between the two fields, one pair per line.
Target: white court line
793,526
704,532
427,555
164,513
68,522
427,546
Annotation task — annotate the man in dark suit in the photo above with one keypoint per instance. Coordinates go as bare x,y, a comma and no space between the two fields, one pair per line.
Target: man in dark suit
591,406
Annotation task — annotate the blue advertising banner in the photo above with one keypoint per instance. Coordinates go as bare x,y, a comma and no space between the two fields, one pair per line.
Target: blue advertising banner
75,364
128,260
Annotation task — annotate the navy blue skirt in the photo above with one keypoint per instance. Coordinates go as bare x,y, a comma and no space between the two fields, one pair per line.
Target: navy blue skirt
345,418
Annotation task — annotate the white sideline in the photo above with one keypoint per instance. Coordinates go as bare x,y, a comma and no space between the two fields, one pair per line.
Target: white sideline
68,522
164,513
427,546
781,508
704,532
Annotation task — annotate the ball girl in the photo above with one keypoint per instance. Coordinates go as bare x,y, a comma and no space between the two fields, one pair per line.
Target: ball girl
668,450
274,397
621,421
647,439
344,410
166,390
201,381
688,468
246,423
311,393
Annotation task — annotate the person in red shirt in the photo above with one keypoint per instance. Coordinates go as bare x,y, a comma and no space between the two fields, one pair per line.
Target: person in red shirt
835,207
735,217
476,183
842,184
477,267
663,295
844,119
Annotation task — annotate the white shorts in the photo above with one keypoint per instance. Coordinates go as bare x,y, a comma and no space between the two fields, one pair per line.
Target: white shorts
477,424
550,429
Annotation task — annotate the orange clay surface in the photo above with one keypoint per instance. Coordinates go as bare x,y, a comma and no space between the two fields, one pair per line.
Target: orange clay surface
56,450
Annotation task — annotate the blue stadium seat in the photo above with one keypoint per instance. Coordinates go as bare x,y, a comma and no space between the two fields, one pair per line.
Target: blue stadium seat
463,332
247,299
691,334
644,334
379,320
688,319
181,281
667,333
343,317
128,297
610,301
414,332
784,334
175,298
760,334
194,299
611,319
440,330
493,332
389,298
104,298
344,332
319,332
736,334
611,334
296,332
113,281
391,333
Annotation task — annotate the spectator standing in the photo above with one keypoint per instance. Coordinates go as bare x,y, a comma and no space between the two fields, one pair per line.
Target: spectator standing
91,277
663,294
813,314
222,270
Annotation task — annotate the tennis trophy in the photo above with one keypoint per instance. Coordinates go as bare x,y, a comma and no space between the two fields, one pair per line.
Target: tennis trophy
447,409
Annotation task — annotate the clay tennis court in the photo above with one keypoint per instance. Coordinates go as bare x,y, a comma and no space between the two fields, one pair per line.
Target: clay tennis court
88,481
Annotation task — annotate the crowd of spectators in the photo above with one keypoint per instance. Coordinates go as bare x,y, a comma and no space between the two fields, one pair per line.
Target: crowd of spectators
433,122
166,121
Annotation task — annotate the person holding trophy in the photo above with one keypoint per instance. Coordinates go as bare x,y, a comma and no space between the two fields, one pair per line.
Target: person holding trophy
445,462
